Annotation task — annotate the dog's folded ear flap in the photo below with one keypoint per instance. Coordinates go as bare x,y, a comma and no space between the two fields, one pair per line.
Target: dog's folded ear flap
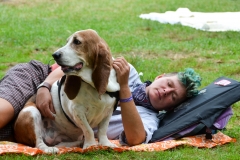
72,86
102,68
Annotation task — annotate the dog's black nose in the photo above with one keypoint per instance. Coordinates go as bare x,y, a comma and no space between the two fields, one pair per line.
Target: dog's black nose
56,55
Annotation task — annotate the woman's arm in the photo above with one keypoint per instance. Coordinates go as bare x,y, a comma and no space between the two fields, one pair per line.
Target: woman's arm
44,98
132,123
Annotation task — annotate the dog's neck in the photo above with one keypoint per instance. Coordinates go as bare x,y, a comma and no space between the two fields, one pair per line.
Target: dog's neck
112,86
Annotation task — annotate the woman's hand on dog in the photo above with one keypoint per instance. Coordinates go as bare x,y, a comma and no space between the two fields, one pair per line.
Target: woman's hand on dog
44,103
122,69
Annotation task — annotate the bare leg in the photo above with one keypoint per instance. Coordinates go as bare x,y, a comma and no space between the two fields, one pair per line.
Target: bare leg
6,112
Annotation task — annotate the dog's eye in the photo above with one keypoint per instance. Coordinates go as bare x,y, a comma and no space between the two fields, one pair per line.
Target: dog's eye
76,41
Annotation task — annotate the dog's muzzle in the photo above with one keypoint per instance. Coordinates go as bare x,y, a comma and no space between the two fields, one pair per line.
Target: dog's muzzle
57,56
76,67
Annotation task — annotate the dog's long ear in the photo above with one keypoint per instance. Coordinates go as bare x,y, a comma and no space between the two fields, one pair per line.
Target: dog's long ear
102,68
72,86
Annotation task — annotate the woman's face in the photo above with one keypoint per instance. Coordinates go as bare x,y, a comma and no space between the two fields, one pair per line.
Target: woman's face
166,92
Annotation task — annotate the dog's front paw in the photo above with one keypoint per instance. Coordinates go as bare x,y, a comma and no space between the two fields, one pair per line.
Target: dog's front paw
107,143
89,144
46,149
51,150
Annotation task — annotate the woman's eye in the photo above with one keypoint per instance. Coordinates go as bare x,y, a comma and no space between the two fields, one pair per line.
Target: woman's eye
76,41
169,84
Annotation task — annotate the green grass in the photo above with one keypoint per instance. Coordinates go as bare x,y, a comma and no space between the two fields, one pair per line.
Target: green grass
35,29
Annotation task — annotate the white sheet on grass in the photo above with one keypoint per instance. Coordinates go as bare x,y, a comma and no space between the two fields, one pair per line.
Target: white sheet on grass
210,21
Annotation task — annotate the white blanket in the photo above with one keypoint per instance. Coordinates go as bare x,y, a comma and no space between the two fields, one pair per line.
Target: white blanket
212,21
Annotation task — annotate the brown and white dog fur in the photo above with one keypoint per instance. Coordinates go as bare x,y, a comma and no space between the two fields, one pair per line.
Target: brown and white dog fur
87,63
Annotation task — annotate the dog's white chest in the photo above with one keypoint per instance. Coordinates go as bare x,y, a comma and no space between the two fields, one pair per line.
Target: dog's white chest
88,104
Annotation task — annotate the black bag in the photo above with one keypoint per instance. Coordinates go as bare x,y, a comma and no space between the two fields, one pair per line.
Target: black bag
199,112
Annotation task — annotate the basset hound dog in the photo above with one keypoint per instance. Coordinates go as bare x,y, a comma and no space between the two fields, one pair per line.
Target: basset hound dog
83,99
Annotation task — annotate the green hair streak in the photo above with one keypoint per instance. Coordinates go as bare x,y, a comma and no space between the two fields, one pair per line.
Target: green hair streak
191,80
